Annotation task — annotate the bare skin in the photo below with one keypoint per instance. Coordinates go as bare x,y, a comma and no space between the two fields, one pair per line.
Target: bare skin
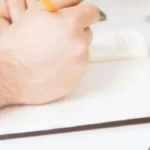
11,10
43,55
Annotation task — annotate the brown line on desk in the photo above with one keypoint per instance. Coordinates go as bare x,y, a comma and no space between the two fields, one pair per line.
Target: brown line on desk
112,124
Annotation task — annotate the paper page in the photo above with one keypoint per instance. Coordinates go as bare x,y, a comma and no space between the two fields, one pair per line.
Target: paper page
119,44
109,91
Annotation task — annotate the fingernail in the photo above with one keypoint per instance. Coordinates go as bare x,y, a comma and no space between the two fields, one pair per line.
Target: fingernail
103,16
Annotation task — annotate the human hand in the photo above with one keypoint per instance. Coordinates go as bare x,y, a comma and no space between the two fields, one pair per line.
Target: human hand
50,51
11,10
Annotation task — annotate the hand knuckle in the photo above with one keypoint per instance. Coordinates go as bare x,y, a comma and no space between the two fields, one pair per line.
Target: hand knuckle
80,51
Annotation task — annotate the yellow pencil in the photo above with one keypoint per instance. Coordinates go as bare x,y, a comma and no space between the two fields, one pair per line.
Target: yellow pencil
49,5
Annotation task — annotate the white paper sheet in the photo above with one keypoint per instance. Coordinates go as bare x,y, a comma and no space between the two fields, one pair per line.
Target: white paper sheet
109,91
118,44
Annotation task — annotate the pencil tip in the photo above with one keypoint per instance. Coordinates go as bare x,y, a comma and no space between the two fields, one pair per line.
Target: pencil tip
103,16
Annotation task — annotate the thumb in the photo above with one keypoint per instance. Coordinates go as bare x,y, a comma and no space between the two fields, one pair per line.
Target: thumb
58,4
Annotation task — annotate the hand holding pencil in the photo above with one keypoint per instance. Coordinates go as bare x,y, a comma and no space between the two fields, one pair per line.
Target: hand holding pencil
18,7
45,53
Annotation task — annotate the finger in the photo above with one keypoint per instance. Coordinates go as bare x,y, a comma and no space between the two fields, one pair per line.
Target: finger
4,9
30,3
59,4
4,24
16,8
84,15
88,35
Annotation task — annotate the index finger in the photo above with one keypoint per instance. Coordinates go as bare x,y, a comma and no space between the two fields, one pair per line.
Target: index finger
84,14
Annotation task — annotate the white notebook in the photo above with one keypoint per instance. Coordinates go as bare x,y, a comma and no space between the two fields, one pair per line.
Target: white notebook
110,91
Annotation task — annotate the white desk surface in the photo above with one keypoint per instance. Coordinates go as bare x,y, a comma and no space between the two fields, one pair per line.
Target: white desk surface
129,138
121,13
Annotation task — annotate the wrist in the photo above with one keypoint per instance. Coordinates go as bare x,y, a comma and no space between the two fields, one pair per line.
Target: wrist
11,79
